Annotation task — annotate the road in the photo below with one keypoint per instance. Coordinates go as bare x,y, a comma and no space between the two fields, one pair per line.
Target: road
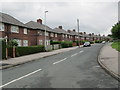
74,69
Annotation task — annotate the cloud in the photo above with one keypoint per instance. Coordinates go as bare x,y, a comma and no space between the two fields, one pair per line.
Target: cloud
97,16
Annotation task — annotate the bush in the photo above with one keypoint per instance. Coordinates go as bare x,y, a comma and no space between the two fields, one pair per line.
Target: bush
66,44
20,51
55,42
98,41
12,43
91,42
3,49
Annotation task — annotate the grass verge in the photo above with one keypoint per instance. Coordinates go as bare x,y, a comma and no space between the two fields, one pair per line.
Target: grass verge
116,45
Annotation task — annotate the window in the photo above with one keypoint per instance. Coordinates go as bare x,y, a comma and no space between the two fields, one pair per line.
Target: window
40,33
15,29
25,31
52,34
1,27
18,41
66,35
25,42
63,35
40,42
55,35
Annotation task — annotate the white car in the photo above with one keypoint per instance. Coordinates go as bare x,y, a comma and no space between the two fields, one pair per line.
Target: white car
103,42
86,44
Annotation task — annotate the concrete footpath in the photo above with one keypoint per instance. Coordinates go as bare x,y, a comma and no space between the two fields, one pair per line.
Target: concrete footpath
108,59
24,59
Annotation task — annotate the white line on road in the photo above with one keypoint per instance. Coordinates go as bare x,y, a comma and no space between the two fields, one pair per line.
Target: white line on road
59,61
81,51
74,54
20,78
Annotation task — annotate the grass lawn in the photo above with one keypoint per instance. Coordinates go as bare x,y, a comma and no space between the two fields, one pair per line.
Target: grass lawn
116,45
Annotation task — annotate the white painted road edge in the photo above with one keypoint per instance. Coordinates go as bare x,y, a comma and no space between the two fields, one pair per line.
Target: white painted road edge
20,78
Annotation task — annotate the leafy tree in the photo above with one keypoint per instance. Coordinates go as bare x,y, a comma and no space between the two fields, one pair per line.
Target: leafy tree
116,31
12,43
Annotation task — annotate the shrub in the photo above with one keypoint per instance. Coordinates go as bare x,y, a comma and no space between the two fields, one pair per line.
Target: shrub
12,43
98,41
3,45
66,44
55,42
20,51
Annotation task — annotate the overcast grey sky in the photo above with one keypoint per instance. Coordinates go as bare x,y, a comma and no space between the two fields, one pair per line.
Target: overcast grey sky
96,16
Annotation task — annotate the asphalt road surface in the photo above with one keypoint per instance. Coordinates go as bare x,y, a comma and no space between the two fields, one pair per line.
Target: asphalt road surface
74,69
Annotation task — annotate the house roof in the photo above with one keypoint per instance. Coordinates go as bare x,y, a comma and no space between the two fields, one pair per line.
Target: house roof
62,31
5,18
35,25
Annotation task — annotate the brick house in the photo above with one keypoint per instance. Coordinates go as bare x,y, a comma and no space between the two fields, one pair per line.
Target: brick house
33,33
40,30
14,29
63,35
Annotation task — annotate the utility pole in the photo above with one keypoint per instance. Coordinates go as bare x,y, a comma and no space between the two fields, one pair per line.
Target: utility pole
45,31
78,33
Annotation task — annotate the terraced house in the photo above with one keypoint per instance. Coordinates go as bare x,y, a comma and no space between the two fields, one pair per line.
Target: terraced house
33,33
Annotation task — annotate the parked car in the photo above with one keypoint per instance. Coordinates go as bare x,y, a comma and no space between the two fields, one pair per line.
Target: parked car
86,44
103,42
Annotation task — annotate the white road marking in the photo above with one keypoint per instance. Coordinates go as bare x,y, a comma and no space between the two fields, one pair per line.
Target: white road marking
81,51
20,78
59,61
74,54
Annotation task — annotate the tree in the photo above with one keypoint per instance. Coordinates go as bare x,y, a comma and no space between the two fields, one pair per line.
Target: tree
116,31
12,43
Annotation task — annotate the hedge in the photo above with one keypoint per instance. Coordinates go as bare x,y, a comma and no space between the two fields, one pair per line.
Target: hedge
98,41
66,44
20,51
3,49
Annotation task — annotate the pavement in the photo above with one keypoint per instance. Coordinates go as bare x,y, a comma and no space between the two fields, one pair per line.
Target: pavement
108,59
28,58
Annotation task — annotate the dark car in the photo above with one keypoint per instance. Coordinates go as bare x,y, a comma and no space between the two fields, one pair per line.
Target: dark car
86,44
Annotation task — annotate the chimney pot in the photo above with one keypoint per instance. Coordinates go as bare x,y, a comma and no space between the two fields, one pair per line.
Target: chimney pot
74,30
60,27
39,21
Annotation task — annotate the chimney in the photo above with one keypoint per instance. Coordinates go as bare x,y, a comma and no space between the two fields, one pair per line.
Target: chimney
89,34
39,21
84,32
81,33
74,30
60,27
69,31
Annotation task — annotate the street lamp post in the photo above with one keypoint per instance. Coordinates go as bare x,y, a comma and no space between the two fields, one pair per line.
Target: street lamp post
45,30
6,46
78,33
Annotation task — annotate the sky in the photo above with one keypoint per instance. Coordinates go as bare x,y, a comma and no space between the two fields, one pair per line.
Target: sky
95,16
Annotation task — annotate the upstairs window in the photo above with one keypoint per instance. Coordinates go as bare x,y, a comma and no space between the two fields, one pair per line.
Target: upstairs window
1,27
55,35
25,31
15,29
52,34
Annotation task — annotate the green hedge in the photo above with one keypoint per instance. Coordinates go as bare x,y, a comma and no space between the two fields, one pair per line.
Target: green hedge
98,41
66,44
3,49
55,42
20,51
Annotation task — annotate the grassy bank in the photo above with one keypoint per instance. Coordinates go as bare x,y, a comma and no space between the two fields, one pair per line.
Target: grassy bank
116,45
